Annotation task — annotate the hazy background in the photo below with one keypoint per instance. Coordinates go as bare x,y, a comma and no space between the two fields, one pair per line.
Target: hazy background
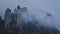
34,7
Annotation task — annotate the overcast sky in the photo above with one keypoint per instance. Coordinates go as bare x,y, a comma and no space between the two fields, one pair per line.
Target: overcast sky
52,6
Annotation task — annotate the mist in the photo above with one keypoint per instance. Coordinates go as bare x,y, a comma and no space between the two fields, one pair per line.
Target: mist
35,8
